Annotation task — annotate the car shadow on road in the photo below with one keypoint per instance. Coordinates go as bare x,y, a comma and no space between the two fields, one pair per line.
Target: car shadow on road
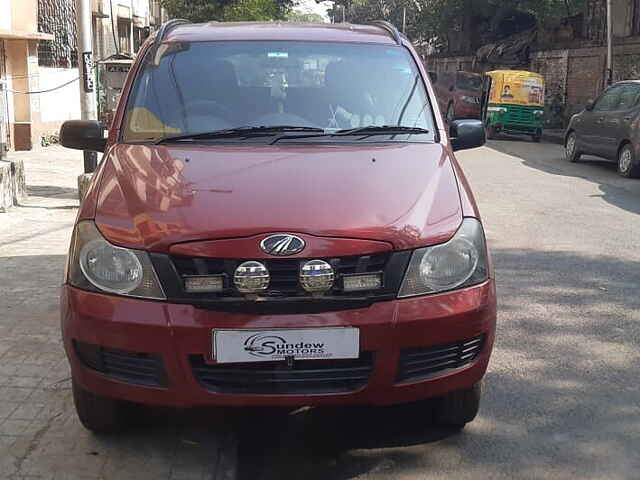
52,191
620,192
561,399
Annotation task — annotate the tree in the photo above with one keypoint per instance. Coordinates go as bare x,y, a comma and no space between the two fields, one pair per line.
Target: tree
301,17
459,26
227,10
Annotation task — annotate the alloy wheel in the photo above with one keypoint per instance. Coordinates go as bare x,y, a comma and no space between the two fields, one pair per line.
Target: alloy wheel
571,146
625,160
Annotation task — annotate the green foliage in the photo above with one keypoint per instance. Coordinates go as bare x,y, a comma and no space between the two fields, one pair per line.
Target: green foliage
227,10
458,24
300,17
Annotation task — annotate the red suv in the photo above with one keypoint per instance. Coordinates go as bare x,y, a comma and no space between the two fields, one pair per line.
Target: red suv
278,220
459,94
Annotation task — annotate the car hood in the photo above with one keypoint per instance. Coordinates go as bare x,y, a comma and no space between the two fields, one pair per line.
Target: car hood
152,197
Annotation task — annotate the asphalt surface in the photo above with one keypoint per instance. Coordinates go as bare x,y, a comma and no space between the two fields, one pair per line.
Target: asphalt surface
562,396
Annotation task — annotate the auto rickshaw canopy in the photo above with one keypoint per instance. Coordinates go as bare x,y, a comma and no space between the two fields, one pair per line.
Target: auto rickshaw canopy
516,87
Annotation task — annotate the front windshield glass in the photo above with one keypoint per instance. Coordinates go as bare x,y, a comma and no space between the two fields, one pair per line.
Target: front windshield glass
469,81
188,88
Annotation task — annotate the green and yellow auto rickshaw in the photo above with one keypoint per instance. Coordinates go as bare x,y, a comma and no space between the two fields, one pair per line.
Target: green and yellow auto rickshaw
513,102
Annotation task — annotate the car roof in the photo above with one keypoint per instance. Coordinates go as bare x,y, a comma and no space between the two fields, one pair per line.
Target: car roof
275,31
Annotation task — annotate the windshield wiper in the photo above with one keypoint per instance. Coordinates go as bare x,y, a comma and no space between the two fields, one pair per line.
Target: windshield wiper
382,130
362,131
245,131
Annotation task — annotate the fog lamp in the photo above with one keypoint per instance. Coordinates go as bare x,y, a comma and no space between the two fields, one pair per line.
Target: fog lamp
356,283
251,277
202,284
316,276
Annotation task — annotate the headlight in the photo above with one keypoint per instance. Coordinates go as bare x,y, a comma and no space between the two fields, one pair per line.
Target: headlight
538,112
466,99
458,263
94,264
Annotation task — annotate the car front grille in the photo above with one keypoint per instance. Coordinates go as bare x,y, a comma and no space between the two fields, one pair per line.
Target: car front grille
423,363
303,377
130,367
285,293
284,273
521,115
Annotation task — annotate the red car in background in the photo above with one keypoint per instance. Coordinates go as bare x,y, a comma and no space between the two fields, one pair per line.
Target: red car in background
459,94
278,220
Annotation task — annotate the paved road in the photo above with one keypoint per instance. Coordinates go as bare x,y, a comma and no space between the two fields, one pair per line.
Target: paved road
562,396
40,435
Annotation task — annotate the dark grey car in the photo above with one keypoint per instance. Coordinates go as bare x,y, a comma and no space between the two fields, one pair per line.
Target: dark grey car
609,128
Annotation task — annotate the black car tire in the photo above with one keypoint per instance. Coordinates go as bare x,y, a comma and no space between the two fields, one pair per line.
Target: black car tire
571,152
627,165
455,409
98,414
537,137
490,133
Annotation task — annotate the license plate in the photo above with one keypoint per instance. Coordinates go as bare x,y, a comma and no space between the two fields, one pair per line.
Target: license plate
234,346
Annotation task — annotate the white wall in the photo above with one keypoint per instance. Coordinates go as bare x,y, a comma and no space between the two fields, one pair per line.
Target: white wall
61,104
5,14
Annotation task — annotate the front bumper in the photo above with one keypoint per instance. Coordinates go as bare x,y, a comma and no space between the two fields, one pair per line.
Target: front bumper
467,110
177,332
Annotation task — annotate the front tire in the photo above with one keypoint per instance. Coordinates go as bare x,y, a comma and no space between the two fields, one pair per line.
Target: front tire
627,166
456,409
98,414
571,152
537,137
490,132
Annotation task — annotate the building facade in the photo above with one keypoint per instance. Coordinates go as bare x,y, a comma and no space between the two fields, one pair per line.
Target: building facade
38,54
573,59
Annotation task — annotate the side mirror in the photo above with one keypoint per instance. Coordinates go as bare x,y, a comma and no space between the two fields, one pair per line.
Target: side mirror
589,106
83,135
466,134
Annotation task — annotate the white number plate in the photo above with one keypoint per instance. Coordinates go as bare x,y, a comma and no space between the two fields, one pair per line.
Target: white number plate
232,346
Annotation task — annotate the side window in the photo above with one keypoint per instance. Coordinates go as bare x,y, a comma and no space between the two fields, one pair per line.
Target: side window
628,97
608,101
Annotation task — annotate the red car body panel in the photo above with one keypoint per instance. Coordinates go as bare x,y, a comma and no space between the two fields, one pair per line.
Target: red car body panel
176,331
154,196
219,200
277,31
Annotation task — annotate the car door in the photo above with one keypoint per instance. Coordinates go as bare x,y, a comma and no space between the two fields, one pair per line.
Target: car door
618,122
598,135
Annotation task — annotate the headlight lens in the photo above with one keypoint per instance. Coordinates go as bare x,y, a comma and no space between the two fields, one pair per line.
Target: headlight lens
96,265
110,268
461,262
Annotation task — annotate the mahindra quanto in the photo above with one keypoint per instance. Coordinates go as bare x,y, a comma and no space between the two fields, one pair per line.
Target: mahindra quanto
278,219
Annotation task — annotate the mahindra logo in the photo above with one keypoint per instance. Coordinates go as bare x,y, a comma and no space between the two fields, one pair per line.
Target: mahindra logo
282,245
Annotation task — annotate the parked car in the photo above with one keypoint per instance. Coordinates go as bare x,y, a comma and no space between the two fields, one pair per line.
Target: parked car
458,93
297,233
608,127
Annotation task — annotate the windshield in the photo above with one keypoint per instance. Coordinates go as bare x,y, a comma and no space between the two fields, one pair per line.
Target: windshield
469,81
189,88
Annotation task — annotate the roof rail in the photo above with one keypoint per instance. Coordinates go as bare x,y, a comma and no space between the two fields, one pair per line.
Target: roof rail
166,27
389,27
